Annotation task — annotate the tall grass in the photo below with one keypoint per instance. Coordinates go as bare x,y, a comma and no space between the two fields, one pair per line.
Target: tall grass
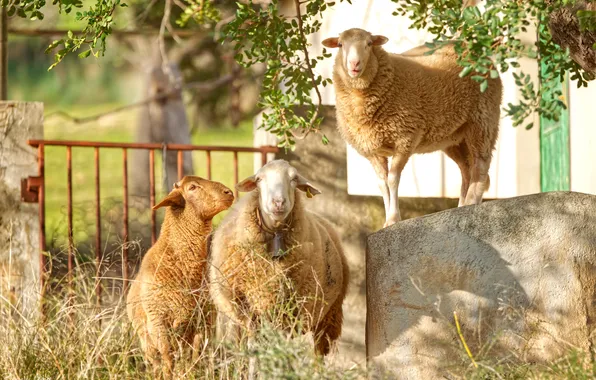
78,340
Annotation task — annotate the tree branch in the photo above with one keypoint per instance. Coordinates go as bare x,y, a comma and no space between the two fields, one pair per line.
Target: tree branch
161,39
116,33
195,86
143,16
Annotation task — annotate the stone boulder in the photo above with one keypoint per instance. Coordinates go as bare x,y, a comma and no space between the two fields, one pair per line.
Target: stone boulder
520,274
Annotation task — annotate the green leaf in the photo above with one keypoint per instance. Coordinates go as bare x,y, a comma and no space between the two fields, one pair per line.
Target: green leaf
494,74
467,70
85,54
483,86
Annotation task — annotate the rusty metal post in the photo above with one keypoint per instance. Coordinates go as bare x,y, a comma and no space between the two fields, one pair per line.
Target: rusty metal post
208,165
98,253
235,174
263,158
125,223
42,226
180,165
69,218
152,195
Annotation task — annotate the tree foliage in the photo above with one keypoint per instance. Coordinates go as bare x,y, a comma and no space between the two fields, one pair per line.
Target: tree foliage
488,42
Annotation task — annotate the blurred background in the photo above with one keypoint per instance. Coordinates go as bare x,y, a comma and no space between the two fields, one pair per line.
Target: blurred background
97,100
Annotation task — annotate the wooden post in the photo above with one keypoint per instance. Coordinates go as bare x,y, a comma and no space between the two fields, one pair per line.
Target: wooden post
20,253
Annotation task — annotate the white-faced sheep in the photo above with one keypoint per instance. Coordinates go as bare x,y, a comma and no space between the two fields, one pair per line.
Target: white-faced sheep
396,105
169,294
268,238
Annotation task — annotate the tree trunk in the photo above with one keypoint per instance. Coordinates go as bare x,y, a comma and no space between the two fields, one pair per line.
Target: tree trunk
161,121
565,30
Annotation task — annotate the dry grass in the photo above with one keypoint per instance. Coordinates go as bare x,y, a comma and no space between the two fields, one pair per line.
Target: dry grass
77,340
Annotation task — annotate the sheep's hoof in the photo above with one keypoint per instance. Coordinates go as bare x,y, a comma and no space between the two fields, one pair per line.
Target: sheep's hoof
389,223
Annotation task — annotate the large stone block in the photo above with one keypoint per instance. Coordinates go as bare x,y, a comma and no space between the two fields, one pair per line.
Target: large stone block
520,274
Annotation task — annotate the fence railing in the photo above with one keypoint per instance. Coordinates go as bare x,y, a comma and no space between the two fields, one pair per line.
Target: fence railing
33,189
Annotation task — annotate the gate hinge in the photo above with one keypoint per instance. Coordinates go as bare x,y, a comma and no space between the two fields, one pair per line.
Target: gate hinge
30,189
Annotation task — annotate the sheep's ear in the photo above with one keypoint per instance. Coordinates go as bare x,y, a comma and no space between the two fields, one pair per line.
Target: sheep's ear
332,42
249,184
174,199
379,40
307,187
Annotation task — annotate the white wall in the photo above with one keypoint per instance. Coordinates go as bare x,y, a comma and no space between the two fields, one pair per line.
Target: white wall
583,137
515,169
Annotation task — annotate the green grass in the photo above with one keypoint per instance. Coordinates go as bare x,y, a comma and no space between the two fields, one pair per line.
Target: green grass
117,128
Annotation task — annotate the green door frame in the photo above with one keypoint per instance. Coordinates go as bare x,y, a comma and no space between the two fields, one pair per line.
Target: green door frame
555,169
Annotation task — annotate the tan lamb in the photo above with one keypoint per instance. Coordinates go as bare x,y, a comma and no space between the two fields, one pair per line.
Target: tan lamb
168,298
396,105
268,238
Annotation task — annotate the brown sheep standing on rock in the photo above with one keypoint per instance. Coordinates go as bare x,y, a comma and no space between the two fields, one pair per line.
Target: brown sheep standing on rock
396,105
269,238
167,298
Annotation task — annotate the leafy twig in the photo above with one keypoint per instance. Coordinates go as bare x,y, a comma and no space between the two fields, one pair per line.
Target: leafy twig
308,65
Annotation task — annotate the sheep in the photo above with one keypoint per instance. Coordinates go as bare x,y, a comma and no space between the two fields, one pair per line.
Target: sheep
268,238
396,105
163,299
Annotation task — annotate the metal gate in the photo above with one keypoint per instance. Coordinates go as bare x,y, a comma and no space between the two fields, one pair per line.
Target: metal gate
33,189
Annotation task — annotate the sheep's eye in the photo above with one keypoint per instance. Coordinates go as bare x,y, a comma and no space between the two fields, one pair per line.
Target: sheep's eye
339,44
258,180
192,187
369,43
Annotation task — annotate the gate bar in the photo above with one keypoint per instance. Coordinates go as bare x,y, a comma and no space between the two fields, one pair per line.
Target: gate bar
42,224
262,149
125,222
152,195
235,173
98,253
69,217
180,165
208,165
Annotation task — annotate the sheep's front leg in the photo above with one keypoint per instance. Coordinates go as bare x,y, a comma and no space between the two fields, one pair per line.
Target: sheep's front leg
379,164
229,320
398,161
479,180
159,334
459,154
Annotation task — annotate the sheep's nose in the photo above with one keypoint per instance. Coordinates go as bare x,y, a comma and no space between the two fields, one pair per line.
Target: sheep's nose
354,63
228,192
279,202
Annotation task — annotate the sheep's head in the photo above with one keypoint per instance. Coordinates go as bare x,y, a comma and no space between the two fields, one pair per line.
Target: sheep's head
355,48
207,198
276,183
